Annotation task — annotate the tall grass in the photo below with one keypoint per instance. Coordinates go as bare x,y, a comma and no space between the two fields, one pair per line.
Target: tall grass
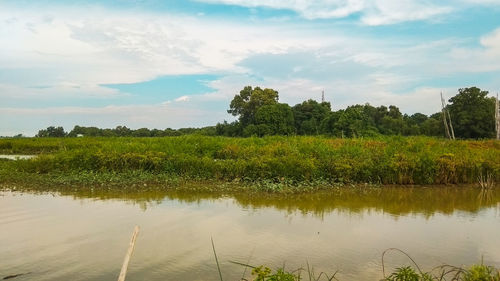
386,160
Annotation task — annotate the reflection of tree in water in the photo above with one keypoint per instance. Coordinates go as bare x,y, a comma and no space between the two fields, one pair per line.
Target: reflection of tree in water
392,200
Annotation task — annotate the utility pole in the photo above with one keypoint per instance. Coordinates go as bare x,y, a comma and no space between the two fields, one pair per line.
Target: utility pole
323,96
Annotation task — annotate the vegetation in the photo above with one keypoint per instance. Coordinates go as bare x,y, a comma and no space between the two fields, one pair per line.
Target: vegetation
477,272
405,273
473,273
260,114
278,159
473,113
122,131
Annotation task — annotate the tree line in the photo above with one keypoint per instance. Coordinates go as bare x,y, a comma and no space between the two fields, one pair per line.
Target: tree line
122,131
260,114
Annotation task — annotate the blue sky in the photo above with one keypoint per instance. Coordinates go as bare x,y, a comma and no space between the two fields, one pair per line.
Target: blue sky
171,63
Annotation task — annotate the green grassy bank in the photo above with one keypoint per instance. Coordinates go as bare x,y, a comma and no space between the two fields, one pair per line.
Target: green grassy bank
289,160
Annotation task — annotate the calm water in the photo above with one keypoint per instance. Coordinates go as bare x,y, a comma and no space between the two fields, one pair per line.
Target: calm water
85,236
16,157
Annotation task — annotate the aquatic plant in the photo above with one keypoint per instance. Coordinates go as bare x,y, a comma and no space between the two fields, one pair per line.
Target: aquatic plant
407,273
273,162
481,273
262,273
486,181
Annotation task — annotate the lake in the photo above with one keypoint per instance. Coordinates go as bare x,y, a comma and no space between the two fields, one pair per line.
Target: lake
85,235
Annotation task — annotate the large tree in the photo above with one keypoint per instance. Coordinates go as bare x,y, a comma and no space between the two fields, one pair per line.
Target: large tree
355,121
308,116
52,132
277,117
246,104
472,113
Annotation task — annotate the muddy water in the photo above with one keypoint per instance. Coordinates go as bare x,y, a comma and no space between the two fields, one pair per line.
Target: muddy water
16,157
84,236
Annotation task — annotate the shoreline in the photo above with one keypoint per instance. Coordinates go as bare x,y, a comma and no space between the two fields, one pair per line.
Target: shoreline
270,163
139,181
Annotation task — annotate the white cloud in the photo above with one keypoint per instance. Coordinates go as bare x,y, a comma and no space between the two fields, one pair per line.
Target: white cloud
476,59
342,94
182,99
65,54
103,47
492,40
395,11
374,12
308,9
482,2
29,120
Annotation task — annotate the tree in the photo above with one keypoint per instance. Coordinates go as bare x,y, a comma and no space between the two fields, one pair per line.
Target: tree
232,129
142,132
51,132
246,104
122,131
328,124
472,113
278,118
308,116
354,121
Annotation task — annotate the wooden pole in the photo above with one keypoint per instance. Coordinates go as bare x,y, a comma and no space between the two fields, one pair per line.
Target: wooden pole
123,272
446,129
451,126
497,117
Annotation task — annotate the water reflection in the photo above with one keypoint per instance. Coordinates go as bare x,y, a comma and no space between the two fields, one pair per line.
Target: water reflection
83,235
393,200
16,157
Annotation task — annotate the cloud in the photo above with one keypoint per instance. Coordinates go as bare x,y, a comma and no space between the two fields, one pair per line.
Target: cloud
29,120
58,60
103,47
484,58
483,2
373,12
492,41
182,99
395,11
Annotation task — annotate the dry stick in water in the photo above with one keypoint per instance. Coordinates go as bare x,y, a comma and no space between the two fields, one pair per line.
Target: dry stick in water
123,272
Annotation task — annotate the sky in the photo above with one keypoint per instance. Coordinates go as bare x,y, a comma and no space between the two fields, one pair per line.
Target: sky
172,63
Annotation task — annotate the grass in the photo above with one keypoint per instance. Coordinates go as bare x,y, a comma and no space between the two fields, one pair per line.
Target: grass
476,272
271,162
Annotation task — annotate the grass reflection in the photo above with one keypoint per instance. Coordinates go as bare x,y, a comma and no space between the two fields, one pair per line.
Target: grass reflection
393,200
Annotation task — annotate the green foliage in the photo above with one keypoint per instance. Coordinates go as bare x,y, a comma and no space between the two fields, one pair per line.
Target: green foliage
308,116
474,273
51,132
262,273
122,131
246,104
407,273
472,113
278,118
481,273
276,159
260,114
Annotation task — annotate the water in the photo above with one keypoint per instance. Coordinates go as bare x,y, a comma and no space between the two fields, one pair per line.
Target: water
84,236
16,157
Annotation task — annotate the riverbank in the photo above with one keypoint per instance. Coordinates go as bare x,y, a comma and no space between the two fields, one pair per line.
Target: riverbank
269,163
